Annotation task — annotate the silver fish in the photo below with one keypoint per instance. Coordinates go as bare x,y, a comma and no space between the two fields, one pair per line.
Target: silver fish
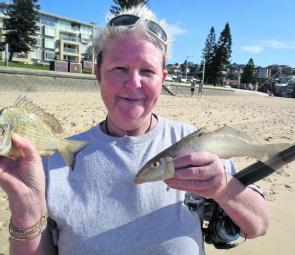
33,123
225,142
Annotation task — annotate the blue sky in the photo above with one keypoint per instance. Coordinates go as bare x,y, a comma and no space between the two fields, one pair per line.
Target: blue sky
261,29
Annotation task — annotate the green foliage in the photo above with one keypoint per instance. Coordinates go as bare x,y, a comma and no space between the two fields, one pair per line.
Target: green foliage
208,53
221,56
249,73
28,66
126,4
21,25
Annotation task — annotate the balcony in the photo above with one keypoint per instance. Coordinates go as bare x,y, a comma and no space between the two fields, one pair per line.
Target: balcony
71,50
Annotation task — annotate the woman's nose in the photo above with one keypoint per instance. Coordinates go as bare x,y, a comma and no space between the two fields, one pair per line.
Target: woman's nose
133,80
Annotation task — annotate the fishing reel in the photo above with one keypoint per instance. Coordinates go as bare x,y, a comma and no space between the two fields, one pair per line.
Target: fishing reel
218,229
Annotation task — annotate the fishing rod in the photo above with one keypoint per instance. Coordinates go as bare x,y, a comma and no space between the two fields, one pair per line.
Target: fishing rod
260,170
221,231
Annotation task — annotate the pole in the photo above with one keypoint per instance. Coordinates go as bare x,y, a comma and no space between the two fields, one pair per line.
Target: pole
203,72
6,54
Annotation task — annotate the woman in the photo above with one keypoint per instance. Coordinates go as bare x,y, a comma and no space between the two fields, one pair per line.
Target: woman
96,208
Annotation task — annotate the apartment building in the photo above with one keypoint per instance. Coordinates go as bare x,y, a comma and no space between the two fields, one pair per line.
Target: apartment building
263,73
57,37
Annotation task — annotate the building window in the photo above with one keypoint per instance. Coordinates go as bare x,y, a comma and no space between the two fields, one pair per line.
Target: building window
49,55
68,37
38,41
63,25
49,31
36,54
49,43
85,39
47,21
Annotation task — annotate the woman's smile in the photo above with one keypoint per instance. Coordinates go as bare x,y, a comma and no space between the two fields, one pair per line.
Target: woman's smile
132,100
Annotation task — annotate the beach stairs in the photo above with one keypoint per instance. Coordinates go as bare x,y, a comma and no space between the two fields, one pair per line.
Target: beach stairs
167,90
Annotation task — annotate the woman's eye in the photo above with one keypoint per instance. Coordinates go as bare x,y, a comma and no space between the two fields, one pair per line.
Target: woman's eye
147,71
121,69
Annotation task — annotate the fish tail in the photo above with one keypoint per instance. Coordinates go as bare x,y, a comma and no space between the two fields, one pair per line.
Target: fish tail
68,149
271,150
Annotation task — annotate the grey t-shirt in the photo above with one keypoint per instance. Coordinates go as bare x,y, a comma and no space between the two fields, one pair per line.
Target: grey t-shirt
99,210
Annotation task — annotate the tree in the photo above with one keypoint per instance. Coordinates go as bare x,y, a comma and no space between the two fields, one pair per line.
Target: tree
208,53
249,73
222,54
126,4
21,25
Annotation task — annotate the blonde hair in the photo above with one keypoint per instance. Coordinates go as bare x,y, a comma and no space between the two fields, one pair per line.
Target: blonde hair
110,32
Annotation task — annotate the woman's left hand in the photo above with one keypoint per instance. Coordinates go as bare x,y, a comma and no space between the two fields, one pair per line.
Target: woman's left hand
201,173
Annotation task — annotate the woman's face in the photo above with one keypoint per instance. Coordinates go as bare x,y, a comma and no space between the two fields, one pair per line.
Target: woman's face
131,77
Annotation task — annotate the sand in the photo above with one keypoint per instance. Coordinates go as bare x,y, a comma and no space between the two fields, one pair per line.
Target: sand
266,119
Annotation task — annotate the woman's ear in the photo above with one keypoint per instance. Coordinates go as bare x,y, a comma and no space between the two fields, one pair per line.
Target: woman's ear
165,73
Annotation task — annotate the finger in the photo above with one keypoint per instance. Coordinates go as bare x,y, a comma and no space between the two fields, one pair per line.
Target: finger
26,146
189,185
194,159
197,173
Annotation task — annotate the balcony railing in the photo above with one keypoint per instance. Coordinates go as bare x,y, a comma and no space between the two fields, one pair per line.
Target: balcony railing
69,38
71,50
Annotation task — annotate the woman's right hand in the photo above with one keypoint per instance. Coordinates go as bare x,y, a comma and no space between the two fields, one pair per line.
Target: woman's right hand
23,180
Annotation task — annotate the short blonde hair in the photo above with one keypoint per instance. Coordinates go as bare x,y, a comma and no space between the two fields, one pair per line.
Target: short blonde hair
110,32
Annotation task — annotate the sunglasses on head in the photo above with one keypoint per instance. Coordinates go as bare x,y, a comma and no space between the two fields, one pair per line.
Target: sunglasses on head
129,20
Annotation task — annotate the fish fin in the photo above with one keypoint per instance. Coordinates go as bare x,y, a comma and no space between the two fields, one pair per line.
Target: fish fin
68,149
271,150
197,133
226,130
25,105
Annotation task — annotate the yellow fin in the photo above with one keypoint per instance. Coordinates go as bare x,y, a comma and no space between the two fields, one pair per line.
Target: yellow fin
68,149
25,105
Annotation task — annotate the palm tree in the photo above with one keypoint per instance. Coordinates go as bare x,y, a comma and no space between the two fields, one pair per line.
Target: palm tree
126,4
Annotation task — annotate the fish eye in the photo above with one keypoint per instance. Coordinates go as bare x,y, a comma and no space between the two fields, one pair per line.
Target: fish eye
155,164
2,132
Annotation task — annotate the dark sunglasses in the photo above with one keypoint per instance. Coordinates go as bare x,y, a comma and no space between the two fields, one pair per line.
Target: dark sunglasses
129,20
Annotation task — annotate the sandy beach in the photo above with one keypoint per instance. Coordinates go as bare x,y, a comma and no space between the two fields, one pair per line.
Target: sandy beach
266,119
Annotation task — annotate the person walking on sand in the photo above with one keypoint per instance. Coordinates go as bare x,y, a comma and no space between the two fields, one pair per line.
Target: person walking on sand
200,91
193,85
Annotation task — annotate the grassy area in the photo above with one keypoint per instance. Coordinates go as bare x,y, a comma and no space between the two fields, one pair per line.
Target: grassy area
21,65
35,66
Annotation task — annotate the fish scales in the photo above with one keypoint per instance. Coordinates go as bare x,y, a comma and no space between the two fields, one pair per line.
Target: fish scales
225,142
41,128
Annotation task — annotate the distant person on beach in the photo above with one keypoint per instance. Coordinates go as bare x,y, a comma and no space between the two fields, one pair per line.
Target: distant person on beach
96,208
193,85
200,91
